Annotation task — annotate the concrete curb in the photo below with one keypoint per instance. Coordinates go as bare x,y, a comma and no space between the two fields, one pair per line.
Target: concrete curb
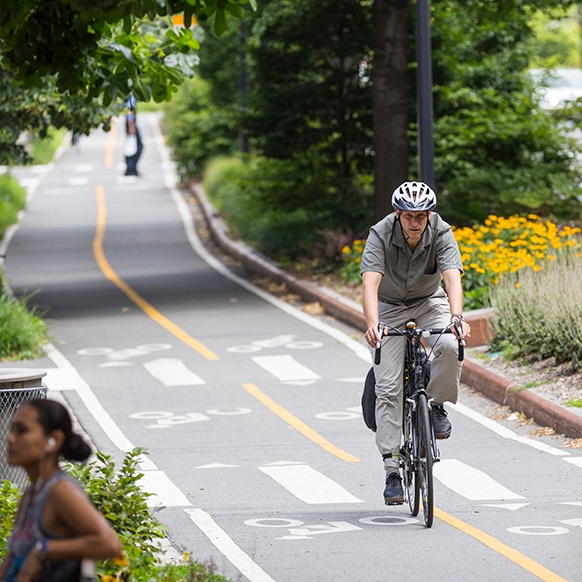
489,383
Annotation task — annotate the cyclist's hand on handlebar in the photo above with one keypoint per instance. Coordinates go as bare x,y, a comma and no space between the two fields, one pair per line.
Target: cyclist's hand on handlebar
372,336
465,330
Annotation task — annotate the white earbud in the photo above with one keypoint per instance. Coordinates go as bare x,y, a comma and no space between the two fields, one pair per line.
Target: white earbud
50,444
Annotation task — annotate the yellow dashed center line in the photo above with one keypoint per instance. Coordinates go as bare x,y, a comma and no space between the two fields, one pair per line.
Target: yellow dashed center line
300,426
516,557
147,308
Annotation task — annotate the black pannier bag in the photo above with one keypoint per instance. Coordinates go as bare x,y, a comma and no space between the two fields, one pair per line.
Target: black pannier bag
369,394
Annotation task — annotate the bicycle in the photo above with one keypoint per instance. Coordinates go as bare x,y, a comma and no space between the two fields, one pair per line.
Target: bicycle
419,450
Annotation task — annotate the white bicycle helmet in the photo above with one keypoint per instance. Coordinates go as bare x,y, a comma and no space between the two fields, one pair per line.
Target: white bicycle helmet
414,196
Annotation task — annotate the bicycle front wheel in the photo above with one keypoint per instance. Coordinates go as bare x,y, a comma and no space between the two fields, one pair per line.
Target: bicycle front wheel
424,459
411,483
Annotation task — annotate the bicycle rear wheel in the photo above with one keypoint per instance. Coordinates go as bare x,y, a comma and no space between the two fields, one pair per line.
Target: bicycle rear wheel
425,459
411,483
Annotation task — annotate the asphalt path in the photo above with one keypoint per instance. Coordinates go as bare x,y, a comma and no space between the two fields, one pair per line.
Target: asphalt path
259,460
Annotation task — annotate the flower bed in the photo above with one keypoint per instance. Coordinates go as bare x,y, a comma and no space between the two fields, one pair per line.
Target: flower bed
500,245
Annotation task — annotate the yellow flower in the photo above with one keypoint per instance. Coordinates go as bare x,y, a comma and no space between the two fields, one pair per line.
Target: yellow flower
121,561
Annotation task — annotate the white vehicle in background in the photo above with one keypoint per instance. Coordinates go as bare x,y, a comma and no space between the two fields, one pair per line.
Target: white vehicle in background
557,86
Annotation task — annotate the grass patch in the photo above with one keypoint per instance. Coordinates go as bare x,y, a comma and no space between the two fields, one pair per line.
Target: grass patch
12,201
193,572
575,402
43,150
22,332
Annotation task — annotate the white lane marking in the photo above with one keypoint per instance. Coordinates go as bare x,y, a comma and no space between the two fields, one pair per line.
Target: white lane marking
510,506
338,415
67,378
228,412
470,482
108,425
84,167
78,181
166,494
216,466
388,520
538,530
172,372
575,461
358,380
575,522
114,364
309,485
286,368
227,547
505,432
576,503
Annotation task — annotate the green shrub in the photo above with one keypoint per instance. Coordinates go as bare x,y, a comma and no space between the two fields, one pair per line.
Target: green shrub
198,130
9,497
117,495
12,201
538,313
284,207
44,149
22,332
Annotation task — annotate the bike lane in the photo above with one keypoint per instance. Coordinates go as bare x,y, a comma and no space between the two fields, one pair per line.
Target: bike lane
241,471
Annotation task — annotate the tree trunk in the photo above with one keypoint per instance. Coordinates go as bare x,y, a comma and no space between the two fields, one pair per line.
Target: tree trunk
390,100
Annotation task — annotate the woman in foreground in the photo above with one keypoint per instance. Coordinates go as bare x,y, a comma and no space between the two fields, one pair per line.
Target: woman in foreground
56,525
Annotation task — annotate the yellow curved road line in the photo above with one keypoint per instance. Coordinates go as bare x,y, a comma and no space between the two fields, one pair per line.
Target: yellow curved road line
298,425
148,309
516,557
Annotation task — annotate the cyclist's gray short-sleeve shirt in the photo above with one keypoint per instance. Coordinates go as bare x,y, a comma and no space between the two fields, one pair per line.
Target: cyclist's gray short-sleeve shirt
410,277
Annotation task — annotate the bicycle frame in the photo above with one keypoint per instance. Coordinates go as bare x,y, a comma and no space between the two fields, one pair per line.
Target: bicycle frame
419,450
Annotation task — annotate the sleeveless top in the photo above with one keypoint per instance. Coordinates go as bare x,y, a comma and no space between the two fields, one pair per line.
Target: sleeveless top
28,530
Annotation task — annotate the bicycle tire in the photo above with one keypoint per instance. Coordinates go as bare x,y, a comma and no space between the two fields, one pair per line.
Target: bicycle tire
411,483
425,459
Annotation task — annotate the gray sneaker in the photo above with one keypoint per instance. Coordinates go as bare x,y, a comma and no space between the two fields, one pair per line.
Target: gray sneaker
393,494
442,425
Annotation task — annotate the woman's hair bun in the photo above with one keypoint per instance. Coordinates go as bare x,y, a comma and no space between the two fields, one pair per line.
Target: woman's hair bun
75,448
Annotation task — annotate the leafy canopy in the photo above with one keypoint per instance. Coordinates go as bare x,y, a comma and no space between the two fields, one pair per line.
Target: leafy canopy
100,47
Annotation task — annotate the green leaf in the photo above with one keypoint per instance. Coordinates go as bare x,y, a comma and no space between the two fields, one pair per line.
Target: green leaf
236,10
141,91
219,22
127,23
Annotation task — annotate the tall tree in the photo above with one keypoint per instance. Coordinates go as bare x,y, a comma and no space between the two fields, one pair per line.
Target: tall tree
391,90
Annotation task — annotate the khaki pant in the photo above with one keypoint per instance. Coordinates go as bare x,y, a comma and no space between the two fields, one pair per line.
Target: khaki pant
445,369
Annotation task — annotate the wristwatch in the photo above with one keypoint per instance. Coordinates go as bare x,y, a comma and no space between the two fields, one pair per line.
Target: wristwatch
42,550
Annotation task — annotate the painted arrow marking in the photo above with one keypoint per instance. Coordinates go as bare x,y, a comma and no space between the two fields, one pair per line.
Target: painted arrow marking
172,372
287,369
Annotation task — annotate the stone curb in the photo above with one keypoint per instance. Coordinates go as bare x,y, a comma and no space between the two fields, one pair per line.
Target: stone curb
492,385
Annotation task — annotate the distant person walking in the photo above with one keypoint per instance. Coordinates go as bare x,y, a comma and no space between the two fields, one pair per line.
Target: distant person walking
56,525
133,145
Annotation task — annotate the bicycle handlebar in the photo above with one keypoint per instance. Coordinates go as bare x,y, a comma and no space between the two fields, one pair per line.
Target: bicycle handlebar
382,328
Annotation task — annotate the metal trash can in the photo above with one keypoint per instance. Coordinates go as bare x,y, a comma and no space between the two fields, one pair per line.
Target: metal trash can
16,386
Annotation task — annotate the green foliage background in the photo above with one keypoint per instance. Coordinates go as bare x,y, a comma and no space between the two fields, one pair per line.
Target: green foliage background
308,116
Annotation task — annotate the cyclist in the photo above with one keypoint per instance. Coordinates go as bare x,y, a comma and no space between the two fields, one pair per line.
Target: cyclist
405,257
